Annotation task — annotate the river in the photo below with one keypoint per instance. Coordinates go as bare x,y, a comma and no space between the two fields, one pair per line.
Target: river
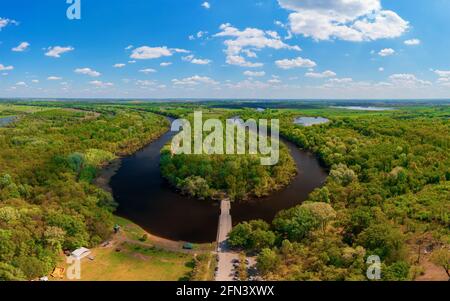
145,198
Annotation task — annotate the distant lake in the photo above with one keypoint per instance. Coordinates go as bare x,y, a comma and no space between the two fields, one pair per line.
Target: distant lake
310,121
360,108
6,120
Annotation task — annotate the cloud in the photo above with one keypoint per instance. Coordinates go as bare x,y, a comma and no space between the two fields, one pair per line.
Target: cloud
295,63
198,35
119,65
165,64
274,81
194,80
386,52
442,73
6,68
206,5
87,71
54,78
57,51
247,40
444,77
349,20
5,22
254,73
344,80
200,61
35,81
129,47
381,69
101,84
21,47
22,84
324,74
179,50
148,70
412,42
145,83
196,61
407,79
146,52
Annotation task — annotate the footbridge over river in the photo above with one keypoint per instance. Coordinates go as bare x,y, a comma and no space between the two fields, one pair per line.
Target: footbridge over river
224,253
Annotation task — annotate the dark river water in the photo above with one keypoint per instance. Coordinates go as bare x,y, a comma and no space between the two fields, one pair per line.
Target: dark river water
145,198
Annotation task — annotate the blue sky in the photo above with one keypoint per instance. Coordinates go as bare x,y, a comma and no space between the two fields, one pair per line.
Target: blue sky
226,49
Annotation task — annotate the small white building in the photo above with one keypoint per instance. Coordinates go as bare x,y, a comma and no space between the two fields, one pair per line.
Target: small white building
81,253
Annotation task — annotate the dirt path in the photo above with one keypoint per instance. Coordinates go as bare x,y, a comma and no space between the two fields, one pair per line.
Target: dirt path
432,272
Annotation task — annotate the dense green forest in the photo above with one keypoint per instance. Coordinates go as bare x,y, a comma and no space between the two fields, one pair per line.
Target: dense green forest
388,194
218,176
48,159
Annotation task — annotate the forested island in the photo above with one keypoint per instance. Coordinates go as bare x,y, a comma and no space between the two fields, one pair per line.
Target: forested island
218,176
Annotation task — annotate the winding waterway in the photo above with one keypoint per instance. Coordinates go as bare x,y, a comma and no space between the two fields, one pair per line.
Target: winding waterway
147,199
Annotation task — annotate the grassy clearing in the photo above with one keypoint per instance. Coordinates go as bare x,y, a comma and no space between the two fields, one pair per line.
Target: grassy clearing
136,263
128,257
136,255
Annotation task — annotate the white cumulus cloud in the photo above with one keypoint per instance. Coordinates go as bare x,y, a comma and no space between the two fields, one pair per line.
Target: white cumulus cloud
246,41
386,52
101,84
407,79
119,65
254,73
324,74
148,70
412,42
442,73
295,63
206,5
6,68
87,71
5,22
350,20
194,80
57,51
196,61
21,47
146,52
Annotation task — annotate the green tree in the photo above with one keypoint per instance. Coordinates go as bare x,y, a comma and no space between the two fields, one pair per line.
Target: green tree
10,273
267,261
295,224
383,240
323,212
398,271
